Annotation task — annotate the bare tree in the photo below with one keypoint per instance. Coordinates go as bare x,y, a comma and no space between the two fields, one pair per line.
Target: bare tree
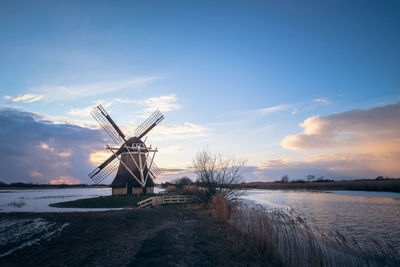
310,178
285,179
218,175
180,183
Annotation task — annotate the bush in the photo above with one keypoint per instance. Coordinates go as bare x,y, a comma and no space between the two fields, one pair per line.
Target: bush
217,175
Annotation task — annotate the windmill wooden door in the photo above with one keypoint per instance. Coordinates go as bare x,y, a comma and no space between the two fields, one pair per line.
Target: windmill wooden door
128,188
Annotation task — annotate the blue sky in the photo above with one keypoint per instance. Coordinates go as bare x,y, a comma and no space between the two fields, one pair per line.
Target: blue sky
238,77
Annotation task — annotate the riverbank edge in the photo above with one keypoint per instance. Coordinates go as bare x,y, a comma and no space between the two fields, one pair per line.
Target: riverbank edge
363,185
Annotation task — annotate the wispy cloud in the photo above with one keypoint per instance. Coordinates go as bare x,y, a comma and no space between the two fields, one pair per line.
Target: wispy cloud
162,103
35,173
269,110
322,100
65,92
85,112
46,146
178,131
65,180
28,98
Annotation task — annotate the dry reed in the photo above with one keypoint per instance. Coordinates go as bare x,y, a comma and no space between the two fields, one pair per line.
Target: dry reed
282,238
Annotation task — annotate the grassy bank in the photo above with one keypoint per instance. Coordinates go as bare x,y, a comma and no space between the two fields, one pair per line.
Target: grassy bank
362,185
165,236
117,201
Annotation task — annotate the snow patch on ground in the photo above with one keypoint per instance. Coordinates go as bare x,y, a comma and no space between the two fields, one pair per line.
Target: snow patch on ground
17,234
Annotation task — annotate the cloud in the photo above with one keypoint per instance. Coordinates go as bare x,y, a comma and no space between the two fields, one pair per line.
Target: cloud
355,128
35,173
173,149
275,163
85,112
98,157
330,165
28,98
65,180
64,154
33,149
269,110
162,103
178,131
322,100
46,146
356,143
168,174
64,92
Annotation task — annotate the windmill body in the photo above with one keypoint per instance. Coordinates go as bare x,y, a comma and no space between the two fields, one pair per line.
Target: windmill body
132,159
136,161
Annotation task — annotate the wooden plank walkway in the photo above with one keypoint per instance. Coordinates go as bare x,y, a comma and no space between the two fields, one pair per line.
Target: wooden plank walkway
166,199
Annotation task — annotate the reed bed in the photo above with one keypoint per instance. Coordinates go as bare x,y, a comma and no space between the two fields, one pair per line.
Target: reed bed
281,238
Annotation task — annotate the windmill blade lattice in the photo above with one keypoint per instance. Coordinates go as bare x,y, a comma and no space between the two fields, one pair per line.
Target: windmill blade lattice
98,175
153,169
149,124
102,117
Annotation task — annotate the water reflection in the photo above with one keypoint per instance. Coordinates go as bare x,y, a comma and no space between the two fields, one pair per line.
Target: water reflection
372,222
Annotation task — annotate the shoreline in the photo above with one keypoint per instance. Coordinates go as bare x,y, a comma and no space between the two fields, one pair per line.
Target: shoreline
360,185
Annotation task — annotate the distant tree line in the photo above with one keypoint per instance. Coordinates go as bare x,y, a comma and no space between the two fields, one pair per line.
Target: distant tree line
312,178
32,185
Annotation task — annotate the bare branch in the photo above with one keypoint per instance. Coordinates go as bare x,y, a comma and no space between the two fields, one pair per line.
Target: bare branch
218,174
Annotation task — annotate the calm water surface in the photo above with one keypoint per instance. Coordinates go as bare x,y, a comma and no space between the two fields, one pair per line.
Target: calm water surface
371,219
38,200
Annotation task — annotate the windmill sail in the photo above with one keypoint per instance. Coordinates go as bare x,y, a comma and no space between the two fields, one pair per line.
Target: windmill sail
149,124
154,170
104,170
135,167
102,117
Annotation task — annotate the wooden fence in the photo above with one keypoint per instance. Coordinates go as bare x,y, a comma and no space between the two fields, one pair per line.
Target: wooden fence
166,199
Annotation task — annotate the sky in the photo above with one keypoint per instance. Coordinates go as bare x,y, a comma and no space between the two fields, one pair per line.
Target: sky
292,87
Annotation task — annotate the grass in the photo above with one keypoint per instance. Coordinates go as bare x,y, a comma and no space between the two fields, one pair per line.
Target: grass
116,201
171,235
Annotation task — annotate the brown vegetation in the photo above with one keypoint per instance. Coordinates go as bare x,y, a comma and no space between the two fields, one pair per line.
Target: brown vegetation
281,237
361,185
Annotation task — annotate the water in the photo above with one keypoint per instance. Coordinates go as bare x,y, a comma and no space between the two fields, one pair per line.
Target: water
369,219
38,200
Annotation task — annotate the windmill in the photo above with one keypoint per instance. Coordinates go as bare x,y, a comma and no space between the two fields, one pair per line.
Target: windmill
133,159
